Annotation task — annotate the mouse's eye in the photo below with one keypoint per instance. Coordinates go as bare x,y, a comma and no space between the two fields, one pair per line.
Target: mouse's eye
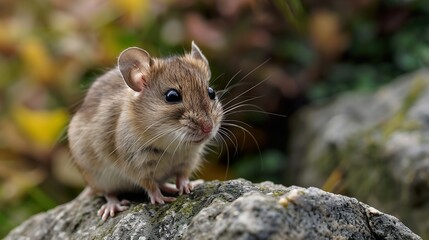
212,93
173,96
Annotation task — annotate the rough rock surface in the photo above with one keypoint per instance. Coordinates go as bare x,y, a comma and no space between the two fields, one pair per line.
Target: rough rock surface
235,209
373,146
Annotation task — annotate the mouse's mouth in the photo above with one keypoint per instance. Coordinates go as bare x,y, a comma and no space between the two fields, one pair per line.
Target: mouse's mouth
200,133
199,138
198,141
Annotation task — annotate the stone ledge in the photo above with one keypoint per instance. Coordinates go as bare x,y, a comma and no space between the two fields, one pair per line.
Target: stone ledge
235,209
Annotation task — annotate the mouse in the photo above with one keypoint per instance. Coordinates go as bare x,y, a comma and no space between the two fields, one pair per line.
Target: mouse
144,123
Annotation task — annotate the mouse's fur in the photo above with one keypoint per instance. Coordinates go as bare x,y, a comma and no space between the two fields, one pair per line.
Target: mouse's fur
126,135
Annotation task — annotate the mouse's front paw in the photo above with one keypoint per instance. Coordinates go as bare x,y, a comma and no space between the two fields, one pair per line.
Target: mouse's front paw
183,185
112,207
156,197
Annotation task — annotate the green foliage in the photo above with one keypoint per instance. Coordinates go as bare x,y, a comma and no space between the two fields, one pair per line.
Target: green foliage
264,167
382,46
13,213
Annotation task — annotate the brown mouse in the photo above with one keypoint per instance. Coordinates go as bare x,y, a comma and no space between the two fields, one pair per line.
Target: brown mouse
143,123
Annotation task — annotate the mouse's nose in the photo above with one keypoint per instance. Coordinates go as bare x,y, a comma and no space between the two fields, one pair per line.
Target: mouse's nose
206,126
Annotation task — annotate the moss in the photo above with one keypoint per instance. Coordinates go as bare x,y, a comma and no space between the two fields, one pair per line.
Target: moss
138,208
398,120
186,208
367,172
277,194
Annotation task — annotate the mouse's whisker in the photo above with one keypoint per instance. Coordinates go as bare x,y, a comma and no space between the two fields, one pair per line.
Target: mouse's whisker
220,75
244,77
135,142
256,111
249,73
227,87
245,131
237,121
232,78
218,143
165,151
225,137
156,137
247,90
255,69
181,138
227,155
227,107
215,105
129,158
233,109
209,149
228,134
221,93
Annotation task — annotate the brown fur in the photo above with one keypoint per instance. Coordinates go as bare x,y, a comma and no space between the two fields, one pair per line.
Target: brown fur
112,136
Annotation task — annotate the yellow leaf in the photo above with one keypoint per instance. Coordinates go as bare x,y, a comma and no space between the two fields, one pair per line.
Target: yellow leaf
334,181
133,10
131,6
42,127
37,60
327,34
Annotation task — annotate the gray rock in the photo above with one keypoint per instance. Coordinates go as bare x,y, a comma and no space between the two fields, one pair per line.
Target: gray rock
235,209
371,146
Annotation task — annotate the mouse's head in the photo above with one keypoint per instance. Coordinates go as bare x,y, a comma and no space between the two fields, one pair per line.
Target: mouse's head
172,96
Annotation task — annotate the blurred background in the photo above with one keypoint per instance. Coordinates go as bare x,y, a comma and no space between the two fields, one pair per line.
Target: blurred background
300,52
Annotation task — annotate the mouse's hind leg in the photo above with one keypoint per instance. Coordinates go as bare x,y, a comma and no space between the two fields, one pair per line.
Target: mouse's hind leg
112,206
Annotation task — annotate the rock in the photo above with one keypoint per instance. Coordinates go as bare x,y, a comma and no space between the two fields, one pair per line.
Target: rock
235,209
374,147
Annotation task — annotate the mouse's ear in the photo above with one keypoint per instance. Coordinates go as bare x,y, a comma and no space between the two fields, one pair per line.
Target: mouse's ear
134,64
197,54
